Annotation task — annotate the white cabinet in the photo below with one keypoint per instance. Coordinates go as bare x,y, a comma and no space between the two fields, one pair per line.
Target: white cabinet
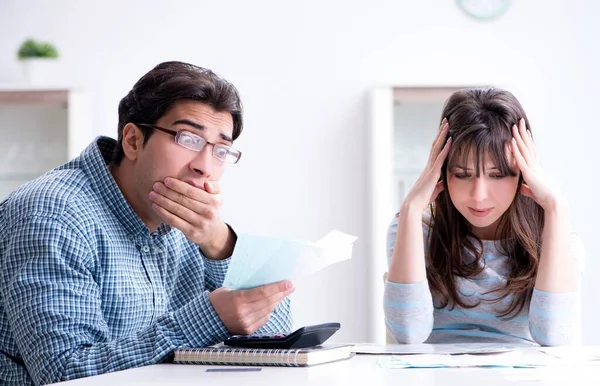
403,123
41,128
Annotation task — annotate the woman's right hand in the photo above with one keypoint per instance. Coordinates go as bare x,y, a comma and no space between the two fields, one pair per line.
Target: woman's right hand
428,186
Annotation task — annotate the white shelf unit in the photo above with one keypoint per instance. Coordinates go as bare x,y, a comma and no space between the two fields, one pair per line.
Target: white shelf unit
41,128
402,126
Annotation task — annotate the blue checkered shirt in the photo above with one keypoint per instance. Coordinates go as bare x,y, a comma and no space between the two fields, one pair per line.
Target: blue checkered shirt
86,289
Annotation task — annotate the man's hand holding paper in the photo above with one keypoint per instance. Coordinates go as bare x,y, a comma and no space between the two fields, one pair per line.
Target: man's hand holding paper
245,311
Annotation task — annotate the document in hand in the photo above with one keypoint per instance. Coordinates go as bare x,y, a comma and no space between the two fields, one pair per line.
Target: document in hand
259,260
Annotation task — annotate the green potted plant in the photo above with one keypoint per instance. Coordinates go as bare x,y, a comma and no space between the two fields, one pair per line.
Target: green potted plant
38,59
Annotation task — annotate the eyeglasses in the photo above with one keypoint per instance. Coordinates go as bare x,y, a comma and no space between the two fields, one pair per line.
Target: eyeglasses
195,142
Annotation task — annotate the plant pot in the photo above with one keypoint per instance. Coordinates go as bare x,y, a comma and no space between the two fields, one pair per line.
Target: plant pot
41,71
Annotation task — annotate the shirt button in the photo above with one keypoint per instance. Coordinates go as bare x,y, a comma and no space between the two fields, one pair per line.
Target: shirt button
130,237
145,249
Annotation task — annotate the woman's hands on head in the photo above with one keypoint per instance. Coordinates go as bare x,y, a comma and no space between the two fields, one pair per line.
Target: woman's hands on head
535,184
429,186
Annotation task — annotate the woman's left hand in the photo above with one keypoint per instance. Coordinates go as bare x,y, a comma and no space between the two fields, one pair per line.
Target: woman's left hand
535,184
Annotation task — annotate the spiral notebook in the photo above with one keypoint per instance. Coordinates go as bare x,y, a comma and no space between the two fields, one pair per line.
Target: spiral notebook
223,355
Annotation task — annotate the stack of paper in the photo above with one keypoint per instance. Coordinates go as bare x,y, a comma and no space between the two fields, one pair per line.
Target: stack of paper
438,348
575,355
261,260
522,358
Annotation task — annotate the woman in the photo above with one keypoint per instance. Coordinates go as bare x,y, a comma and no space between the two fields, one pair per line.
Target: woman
481,248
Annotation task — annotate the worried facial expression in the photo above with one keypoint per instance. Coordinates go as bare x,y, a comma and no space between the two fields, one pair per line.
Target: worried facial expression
482,194
163,157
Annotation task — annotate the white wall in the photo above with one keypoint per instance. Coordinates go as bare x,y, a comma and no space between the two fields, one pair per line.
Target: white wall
303,69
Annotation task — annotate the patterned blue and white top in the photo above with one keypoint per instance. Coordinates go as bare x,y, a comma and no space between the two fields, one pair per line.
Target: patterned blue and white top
86,289
551,318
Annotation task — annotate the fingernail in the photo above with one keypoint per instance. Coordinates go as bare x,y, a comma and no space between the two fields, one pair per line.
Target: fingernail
210,185
289,285
168,181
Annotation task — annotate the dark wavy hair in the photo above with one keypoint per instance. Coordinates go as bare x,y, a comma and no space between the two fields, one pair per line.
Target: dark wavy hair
156,92
480,123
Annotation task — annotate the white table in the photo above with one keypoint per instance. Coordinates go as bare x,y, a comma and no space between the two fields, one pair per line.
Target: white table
361,370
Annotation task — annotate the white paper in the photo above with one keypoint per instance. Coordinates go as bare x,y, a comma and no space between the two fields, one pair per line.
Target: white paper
588,355
261,260
439,348
523,358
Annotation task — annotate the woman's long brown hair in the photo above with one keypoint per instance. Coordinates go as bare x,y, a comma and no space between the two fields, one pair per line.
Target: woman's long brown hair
480,125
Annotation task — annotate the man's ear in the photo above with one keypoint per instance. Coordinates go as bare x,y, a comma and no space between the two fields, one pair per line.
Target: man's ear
133,141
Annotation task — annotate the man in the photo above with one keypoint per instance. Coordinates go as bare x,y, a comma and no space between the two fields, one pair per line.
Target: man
116,258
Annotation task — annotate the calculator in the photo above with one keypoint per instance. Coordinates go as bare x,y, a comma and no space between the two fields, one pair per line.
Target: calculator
307,336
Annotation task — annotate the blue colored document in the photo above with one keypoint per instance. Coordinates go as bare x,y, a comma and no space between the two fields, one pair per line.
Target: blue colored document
259,260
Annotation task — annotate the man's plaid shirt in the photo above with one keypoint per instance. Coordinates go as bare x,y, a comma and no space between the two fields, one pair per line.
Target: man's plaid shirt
86,289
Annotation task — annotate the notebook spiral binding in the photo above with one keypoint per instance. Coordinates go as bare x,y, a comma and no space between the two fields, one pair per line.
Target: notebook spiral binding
242,356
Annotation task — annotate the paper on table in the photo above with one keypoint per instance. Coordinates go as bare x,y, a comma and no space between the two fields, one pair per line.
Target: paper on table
438,348
588,355
259,260
523,358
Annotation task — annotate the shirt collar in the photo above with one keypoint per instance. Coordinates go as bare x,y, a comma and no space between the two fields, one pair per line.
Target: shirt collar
95,160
